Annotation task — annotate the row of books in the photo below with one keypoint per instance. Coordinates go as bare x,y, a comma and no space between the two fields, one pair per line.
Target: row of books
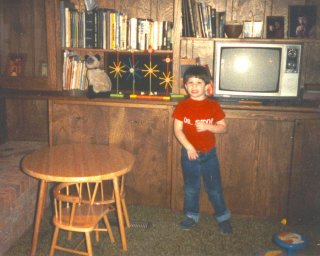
110,29
74,72
200,19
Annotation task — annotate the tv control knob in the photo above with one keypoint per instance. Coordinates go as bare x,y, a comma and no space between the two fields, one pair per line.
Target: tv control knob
292,53
291,65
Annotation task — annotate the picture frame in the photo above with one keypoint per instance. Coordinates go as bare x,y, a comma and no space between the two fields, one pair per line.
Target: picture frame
302,21
15,64
252,29
275,27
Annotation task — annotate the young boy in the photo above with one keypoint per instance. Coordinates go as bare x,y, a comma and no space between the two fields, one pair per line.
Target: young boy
196,120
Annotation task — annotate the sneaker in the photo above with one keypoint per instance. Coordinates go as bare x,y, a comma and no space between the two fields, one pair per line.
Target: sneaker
187,224
225,228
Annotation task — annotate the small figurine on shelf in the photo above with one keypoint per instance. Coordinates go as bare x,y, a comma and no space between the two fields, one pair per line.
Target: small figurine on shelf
133,73
99,82
167,77
150,70
117,69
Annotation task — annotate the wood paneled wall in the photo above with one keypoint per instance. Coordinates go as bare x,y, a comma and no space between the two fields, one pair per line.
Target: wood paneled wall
27,119
23,31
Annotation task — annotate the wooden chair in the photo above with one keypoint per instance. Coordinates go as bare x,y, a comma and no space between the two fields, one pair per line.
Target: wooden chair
73,215
104,194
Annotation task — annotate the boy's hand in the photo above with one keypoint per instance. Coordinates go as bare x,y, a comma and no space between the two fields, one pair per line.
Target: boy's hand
192,153
218,127
202,126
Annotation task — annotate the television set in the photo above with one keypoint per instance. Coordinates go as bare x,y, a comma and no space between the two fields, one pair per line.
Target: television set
245,70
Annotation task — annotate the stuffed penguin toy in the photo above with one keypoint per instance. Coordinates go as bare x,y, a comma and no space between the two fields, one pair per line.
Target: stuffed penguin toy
99,83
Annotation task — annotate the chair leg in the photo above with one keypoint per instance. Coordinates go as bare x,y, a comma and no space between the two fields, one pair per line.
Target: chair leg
54,241
125,212
97,234
89,245
107,223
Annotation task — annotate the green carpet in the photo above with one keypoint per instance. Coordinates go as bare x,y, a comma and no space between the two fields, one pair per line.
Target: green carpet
251,236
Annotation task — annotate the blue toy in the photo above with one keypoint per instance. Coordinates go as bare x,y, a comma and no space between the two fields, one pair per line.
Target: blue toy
292,242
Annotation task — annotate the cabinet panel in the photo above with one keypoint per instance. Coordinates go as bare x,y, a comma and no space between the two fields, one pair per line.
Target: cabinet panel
255,162
27,119
144,132
79,124
272,183
238,154
304,198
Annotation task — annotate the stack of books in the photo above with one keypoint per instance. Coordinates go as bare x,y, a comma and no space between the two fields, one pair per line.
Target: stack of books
110,29
200,19
74,72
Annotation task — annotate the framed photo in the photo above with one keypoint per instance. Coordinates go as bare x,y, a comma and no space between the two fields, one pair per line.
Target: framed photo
302,21
252,29
15,64
275,27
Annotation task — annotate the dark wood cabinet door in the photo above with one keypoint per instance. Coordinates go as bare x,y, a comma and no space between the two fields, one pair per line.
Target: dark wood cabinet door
255,160
304,198
146,133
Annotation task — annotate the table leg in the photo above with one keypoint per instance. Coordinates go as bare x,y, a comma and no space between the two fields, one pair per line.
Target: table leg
40,211
120,214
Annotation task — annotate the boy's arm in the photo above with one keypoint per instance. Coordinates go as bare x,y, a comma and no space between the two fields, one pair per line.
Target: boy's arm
178,131
218,127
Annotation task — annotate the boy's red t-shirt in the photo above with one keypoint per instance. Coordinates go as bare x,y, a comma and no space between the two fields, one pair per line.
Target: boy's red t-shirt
190,111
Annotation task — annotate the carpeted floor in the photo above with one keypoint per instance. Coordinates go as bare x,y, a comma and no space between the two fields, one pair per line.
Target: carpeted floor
251,236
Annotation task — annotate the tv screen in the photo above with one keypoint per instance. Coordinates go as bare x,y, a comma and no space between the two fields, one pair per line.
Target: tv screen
246,69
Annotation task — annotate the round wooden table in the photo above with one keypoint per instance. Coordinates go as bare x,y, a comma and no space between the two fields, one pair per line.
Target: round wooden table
77,163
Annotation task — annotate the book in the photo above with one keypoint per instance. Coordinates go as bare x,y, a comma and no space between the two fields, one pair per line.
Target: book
204,13
222,21
81,27
141,36
74,28
201,22
124,28
186,20
68,27
183,18
133,26
196,19
208,10
62,24
164,35
112,30
191,17
213,22
160,35
155,37
89,29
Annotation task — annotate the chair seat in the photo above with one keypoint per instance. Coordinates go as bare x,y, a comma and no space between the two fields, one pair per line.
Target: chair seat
85,218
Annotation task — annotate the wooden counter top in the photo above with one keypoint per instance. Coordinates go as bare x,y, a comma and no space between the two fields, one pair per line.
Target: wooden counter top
80,97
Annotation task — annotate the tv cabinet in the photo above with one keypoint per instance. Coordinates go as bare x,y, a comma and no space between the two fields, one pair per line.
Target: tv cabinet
269,155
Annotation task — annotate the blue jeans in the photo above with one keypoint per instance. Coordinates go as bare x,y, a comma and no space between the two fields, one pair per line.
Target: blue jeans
207,166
